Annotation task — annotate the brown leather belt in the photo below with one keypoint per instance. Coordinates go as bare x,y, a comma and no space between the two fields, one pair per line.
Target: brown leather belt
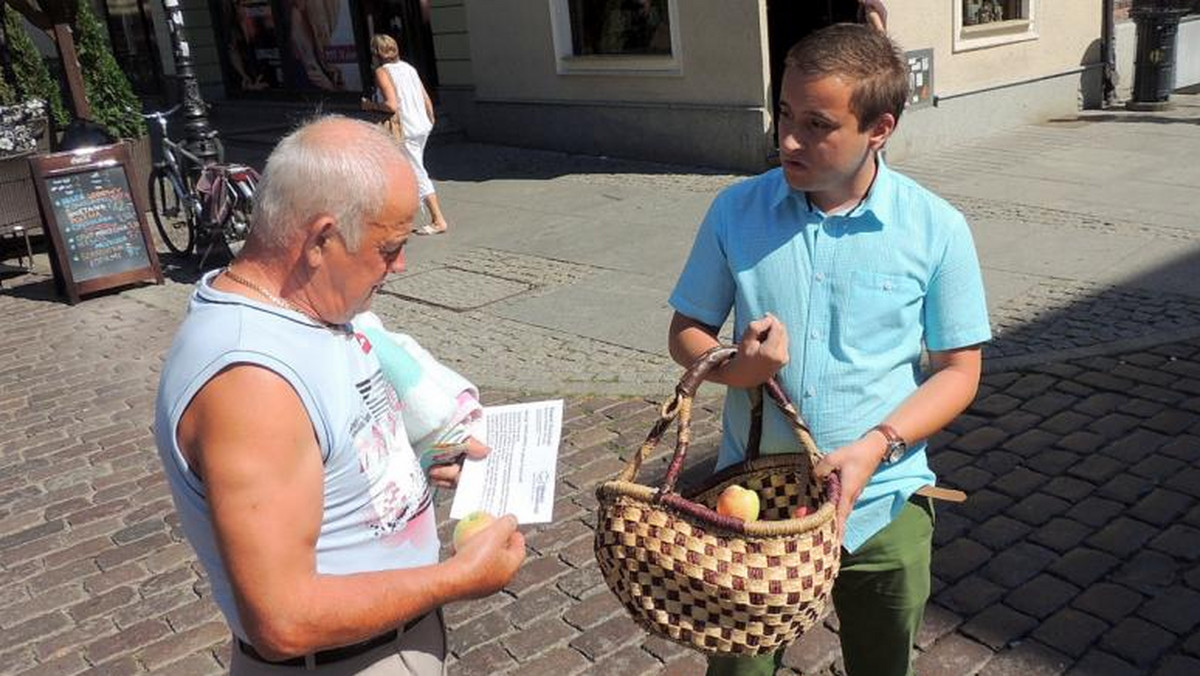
333,654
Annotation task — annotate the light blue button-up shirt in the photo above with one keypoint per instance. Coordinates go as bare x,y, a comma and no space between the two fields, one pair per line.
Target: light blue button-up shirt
860,294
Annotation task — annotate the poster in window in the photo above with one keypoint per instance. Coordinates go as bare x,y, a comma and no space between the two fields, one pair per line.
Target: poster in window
321,43
252,45
614,27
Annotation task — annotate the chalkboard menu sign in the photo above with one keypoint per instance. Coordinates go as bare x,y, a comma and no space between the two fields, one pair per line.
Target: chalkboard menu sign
97,225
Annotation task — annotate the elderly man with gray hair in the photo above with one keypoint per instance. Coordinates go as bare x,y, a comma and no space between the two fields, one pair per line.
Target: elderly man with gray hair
284,445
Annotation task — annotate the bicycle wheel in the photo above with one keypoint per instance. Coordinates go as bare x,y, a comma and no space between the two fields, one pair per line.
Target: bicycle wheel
175,221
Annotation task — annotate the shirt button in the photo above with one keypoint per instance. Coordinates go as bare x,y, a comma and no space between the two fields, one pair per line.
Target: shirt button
810,392
887,286
820,276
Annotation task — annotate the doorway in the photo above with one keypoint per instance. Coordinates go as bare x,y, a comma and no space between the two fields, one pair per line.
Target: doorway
790,20
408,22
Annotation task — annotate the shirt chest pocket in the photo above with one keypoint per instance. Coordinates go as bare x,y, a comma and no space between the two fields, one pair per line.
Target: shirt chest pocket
879,312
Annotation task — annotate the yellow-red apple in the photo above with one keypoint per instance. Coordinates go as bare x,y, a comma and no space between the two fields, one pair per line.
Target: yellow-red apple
801,512
469,525
738,502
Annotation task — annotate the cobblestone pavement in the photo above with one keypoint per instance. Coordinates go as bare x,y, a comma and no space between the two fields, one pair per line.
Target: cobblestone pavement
1076,553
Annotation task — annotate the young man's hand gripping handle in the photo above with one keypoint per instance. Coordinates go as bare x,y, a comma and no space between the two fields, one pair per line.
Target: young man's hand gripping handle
762,351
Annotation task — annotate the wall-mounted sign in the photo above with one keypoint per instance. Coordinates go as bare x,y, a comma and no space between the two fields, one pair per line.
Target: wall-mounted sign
920,77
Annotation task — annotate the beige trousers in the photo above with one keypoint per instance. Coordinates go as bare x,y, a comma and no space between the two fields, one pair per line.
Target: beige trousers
420,651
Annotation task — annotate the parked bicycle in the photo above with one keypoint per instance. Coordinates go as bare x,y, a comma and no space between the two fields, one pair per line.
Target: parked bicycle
194,201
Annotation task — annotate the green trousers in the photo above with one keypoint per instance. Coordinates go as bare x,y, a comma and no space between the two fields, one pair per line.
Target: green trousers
879,596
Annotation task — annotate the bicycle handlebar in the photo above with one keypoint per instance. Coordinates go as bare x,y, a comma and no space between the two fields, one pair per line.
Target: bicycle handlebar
162,113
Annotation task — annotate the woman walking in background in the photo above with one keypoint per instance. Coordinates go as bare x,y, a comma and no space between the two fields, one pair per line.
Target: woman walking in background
399,91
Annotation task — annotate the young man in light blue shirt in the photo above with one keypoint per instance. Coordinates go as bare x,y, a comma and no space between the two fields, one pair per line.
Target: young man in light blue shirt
841,273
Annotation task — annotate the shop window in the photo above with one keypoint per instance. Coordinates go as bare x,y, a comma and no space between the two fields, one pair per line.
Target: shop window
986,23
603,36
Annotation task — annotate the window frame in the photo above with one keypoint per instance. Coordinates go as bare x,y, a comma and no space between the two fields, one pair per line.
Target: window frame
567,63
1009,31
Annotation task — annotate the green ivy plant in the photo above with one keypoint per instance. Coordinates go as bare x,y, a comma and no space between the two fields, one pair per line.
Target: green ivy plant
113,103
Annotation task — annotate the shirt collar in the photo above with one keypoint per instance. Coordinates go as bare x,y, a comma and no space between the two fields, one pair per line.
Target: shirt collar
875,199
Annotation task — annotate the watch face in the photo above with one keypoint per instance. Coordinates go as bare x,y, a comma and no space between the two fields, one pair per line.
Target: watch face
895,452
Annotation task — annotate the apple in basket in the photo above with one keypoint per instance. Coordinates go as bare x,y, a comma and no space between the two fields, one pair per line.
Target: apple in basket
738,502
801,512
470,524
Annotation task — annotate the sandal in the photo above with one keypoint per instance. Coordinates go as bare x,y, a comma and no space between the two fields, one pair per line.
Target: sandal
427,230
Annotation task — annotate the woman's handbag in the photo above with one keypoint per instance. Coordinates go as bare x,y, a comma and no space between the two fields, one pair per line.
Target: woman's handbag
375,113
717,583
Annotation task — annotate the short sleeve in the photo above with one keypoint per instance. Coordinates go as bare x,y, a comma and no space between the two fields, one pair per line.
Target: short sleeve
705,288
955,307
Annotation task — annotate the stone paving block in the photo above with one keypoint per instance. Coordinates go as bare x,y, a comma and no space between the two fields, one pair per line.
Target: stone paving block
1017,564
480,631
537,638
1114,425
952,656
1178,665
998,463
1100,404
1161,507
630,660
1041,596
1157,467
1083,566
1038,508
984,504
1053,462
1099,663
1180,541
1017,422
817,649
593,610
998,626
1149,572
1065,422
1138,641
1184,447
1154,393
612,634
1122,537
948,527
1070,631
980,439
970,595
1030,658
1096,468
1186,481
1049,403
1104,381
945,461
1068,488
1019,482
1172,422
1031,442
938,622
487,660
689,664
1095,511
959,558
970,478
177,646
1142,408
1108,601
999,532
994,405
1177,609
1126,488
1083,441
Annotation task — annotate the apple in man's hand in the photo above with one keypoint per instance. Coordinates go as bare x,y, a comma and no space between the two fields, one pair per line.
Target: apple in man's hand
469,525
738,502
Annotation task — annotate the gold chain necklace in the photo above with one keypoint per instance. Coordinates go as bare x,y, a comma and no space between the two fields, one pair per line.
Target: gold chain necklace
281,302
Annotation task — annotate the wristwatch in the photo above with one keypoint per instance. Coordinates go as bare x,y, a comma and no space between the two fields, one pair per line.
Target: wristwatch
896,446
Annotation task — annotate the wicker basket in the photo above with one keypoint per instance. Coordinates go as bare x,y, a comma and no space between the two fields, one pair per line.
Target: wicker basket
711,582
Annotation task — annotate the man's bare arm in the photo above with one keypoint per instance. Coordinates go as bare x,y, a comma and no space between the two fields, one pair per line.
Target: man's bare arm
939,400
264,480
